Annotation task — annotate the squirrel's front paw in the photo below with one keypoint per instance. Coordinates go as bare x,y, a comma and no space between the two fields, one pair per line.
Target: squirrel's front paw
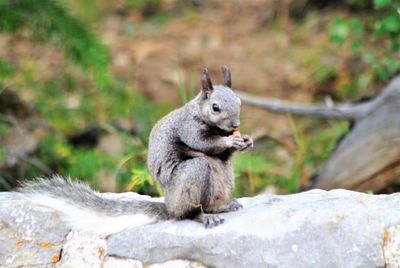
248,141
235,142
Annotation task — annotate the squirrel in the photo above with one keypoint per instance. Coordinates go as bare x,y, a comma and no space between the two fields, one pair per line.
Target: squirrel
189,155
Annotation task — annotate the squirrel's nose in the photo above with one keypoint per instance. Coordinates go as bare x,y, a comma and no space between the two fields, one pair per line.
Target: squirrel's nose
235,125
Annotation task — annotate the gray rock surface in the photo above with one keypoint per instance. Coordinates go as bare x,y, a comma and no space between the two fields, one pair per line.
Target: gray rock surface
338,228
29,235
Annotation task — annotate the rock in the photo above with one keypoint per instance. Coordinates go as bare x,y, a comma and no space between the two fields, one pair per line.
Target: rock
391,246
113,262
29,235
83,250
317,228
178,264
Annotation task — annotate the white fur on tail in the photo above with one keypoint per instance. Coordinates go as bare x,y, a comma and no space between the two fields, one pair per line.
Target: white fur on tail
89,221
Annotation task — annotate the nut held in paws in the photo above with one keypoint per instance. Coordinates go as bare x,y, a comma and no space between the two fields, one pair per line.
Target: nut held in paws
236,133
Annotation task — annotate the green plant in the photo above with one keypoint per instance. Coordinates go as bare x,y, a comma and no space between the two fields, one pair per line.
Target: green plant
3,128
5,70
132,172
71,104
253,172
85,164
50,21
142,182
321,143
379,27
3,156
293,183
325,73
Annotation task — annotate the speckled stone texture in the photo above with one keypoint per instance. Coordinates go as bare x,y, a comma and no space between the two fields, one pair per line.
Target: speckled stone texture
313,229
391,246
29,235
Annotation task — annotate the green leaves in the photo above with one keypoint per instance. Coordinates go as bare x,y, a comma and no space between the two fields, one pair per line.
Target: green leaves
379,4
5,69
390,23
49,21
3,156
140,180
362,32
342,29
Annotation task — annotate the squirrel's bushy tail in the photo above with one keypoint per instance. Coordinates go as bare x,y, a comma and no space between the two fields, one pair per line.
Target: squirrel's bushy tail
87,210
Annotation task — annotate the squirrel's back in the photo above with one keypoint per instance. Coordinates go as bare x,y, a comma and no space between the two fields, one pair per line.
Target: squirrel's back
166,151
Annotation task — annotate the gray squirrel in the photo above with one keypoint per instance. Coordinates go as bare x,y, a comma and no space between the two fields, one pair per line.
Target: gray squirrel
189,155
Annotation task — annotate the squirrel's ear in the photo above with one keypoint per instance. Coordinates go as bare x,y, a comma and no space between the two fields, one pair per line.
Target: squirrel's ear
227,76
206,85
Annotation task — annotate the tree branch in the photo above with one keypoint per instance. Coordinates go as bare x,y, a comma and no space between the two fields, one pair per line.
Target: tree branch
341,112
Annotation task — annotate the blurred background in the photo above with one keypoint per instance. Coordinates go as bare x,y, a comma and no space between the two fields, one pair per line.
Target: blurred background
82,82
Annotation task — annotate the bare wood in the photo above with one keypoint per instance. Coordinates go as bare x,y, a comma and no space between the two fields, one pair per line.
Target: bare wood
366,151
381,179
340,111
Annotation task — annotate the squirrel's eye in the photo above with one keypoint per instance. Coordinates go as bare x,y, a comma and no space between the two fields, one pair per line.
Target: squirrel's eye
216,107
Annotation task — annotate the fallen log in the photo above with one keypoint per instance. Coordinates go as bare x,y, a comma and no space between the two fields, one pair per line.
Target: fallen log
368,157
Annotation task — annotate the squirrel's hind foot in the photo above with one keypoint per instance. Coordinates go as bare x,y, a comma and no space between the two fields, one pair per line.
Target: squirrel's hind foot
210,220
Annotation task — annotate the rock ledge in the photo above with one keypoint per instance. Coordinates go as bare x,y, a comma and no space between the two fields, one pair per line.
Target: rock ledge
317,228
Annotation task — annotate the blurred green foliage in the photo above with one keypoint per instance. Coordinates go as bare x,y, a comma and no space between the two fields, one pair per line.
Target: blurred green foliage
5,69
85,163
380,27
50,21
257,169
2,156
3,128
56,153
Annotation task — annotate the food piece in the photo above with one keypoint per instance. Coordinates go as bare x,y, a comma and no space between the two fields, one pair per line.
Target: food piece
236,133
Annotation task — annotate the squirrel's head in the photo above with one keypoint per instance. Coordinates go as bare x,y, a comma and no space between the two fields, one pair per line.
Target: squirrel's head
220,107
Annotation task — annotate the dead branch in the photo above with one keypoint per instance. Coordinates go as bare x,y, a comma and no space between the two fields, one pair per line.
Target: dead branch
339,111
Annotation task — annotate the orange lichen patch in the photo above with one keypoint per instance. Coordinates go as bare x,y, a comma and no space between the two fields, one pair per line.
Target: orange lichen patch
102,252
20,243
55,258
46,245
386,235
236,133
